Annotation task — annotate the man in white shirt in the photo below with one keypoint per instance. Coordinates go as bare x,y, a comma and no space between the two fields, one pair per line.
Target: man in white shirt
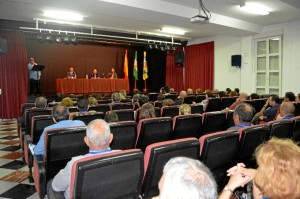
98,139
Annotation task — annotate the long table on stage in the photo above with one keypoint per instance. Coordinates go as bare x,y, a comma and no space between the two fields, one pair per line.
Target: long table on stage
82,86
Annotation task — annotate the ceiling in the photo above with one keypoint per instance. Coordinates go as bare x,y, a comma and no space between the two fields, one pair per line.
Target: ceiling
145,16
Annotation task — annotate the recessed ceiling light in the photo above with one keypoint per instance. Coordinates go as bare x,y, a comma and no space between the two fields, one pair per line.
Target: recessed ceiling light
174,31
255,9
69,16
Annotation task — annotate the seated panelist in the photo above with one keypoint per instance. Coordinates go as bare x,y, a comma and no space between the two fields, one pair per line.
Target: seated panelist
112,74
71,74
94,74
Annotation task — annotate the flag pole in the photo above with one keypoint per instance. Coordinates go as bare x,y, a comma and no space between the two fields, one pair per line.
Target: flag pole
134,83
145,89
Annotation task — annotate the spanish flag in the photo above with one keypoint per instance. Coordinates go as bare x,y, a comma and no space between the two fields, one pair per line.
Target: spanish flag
135,67
145,68
125,70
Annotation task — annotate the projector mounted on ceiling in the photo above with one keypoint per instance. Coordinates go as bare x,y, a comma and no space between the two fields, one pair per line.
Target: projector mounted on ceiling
203,15
199,19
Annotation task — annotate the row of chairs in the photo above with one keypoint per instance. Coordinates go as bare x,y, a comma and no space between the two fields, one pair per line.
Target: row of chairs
219,151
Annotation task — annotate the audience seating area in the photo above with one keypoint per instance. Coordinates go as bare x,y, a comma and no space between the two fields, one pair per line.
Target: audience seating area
146,144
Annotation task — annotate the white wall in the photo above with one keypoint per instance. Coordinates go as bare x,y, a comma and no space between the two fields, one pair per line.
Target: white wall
224,74
291,55
225,46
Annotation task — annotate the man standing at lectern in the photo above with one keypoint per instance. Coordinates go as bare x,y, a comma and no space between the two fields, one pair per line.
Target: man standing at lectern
34,77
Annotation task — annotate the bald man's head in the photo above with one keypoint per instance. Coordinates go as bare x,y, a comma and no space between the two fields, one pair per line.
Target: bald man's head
287,108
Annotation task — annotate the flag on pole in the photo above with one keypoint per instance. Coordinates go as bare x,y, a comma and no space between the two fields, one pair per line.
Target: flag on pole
125,70
145,68
135,67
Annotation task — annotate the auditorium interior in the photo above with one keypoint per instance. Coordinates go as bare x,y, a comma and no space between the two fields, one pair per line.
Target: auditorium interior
218,45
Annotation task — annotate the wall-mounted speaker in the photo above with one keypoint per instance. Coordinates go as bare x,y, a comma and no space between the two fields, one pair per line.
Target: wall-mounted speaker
3,46
236,61
179,58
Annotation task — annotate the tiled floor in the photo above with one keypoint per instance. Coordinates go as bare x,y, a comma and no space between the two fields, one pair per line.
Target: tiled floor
13,171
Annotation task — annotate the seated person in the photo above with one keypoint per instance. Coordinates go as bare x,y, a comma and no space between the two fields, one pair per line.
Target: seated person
228,91
180,98
40,102
287,110
143,99
240,99
93,101
60,115
123,94
111,116
82,106
277,175
267,114
184,109
67,101
208,94
71,74
186,178
112,74
254,96
242,116
94,74
147,111
168,102
289,97
160,97
98,139
115,98
189,91
298,98
222,94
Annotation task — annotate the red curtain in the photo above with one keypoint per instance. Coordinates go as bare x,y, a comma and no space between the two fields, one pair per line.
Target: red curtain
14,74
199,66
174,73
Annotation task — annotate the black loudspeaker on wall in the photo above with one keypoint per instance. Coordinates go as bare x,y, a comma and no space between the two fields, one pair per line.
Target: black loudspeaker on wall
236,61
179,58
3,46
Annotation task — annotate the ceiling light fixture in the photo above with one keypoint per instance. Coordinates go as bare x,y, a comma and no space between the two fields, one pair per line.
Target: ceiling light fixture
254,9
174,31
69,16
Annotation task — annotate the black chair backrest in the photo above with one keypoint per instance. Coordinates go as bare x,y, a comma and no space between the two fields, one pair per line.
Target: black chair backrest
73,109
153,130
281,129
60,146
200,98
100,108
112,175
227,101
26,106
87,117
125,134
296,130
169,111
120,106
125,114
214,121
158,104
104,101
213,104
171,96
230,121
153,96
40,122
187,126
196,109
34,112
218,151
189,99
258,104
158,154
157,111
250,138
297,109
